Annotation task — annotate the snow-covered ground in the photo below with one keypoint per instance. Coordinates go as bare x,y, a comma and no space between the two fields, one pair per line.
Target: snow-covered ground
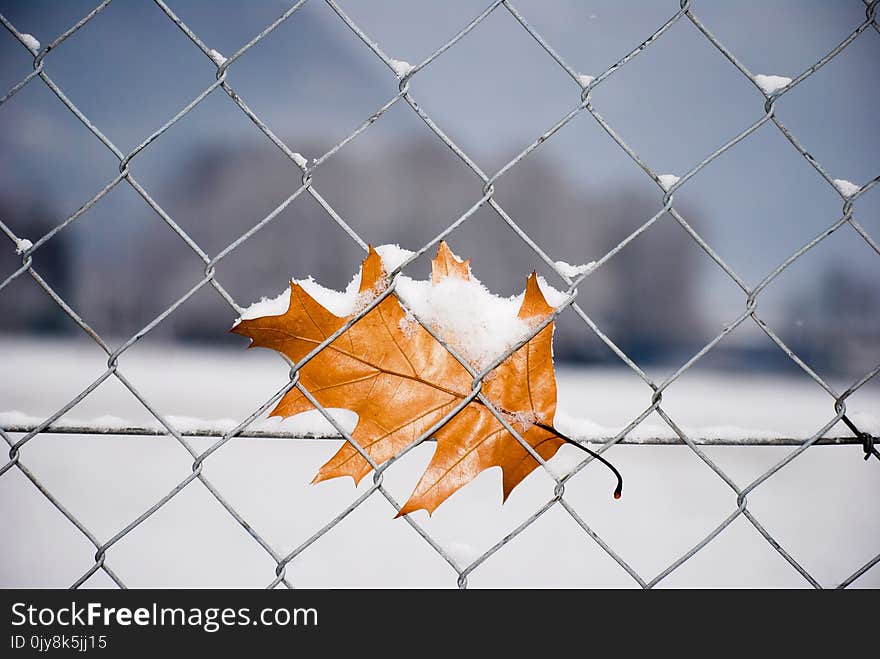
816,507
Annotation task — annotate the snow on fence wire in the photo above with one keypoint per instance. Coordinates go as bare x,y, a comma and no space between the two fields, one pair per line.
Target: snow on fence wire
772,90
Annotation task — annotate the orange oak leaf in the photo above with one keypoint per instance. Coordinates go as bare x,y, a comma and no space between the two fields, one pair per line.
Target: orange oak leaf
401,381
447,264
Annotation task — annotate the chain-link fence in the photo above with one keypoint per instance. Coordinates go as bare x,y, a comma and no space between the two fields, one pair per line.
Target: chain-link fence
771,93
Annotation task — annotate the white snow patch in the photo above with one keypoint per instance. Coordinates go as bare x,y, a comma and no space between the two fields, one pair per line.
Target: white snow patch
217,56
572,271
16,418
408,324
585,79
30,41
668,180
306,424
362,299
846,188
312,423
401,67
22,245
340,303
555,298
392,256
275,306
477,323
585,430
578,428
770,84
300,160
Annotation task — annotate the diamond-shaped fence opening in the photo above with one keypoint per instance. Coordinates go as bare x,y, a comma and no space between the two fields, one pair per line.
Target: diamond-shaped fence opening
201,443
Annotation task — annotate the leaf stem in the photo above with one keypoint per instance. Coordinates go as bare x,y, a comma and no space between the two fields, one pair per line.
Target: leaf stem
618,491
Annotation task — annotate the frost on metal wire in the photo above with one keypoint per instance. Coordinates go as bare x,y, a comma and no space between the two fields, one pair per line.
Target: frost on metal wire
19,431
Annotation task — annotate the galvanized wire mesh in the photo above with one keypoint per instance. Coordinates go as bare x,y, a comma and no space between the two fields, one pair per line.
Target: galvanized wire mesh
582,89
